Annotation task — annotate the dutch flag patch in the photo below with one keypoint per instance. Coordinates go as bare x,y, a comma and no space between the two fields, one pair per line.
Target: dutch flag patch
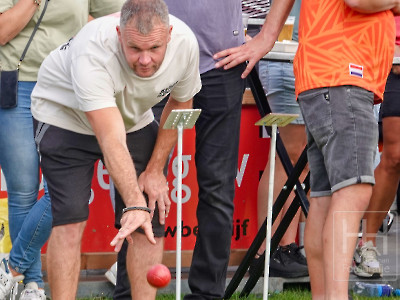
356,70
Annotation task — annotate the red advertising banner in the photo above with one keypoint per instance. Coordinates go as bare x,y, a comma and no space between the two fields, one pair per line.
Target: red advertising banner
253,155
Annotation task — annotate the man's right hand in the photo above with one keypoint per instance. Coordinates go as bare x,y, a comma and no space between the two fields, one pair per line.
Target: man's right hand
252,52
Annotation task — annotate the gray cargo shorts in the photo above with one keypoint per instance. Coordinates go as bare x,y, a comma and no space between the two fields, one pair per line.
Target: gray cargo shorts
342,135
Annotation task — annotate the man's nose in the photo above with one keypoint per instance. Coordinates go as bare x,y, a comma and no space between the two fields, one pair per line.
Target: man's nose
145,58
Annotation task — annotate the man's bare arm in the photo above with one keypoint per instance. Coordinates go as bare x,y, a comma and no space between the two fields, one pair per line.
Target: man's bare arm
108,126
261,44
373,6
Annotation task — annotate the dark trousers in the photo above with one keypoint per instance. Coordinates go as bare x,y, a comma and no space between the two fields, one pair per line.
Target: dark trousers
122,289
217,143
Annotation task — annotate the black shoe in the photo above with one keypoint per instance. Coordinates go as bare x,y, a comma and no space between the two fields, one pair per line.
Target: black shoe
253,265
293,251
255,261
283,265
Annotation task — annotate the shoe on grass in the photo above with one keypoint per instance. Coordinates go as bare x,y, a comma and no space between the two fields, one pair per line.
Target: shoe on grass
32,292
294,252
282,264
366,262
8,283
111,274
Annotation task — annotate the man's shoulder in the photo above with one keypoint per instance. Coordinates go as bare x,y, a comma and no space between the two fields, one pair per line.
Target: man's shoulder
180,28
98,38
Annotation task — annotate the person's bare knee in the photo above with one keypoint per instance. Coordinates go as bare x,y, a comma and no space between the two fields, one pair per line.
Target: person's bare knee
70,230
352,198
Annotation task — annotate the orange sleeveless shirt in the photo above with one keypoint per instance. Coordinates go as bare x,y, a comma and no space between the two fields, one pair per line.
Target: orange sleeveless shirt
339,46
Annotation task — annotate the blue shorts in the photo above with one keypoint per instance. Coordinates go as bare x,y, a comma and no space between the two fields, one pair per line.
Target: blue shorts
342,135
277,79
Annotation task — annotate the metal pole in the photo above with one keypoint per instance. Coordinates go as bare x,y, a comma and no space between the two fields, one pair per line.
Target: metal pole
269,216
179,214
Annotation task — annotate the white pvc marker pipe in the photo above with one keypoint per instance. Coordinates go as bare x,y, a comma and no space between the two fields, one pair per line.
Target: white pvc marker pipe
274,120
179,215
269,216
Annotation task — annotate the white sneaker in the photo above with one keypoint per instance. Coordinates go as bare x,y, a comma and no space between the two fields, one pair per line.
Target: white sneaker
8,283
111,274
32,292
367,264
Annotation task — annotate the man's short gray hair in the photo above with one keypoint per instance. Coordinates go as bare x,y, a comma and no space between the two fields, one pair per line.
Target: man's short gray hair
145,14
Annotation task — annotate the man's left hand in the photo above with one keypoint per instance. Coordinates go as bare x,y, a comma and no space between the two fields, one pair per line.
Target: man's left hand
155,185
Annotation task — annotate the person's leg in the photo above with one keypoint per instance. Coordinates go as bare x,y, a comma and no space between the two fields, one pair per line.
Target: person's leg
122,288
387,176
341,126
63,260
69,175
217,143
28,220
387,173
340,236
35,231
278,81
139,260
136,259
319,206
349,155
313,243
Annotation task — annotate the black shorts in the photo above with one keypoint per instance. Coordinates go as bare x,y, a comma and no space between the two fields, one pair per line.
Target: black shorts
68,159
390,106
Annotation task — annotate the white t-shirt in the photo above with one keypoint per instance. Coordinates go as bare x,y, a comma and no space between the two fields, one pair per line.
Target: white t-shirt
90,72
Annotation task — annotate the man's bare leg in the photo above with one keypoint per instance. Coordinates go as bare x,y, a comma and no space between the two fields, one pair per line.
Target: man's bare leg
64,260
387,175
340,235
140,257
313,244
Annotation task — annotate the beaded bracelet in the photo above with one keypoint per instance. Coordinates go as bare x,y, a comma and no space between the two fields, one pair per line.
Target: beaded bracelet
136,208
37,2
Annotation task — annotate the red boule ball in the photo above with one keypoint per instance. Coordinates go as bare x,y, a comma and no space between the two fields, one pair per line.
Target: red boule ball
159,276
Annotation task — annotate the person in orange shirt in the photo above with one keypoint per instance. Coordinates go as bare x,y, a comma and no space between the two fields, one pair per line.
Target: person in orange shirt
344,56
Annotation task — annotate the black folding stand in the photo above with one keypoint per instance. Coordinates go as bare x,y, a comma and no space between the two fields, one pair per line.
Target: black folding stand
300,200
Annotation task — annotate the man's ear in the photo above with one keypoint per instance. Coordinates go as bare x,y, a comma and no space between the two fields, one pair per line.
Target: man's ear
118,28
169,33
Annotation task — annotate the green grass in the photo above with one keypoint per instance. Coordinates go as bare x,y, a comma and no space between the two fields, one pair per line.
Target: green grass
285,295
